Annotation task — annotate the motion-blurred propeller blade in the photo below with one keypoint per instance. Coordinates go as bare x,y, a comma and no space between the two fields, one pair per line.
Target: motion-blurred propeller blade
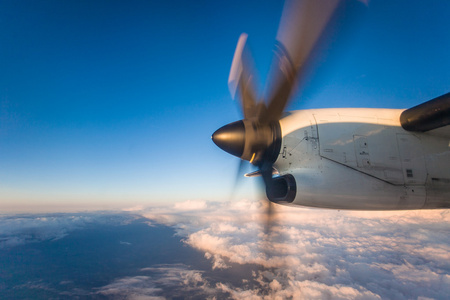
266,174
301,27
269,218
242,78
240,173
268,221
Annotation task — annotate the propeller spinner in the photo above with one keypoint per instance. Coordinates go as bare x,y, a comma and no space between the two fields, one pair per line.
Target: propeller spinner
250,140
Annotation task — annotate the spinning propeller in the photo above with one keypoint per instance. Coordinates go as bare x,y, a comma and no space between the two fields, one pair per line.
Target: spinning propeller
257,138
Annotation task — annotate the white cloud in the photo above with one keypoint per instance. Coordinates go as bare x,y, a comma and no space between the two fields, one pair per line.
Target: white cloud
20,229
134,208
175,280
190,205
133,288
316,254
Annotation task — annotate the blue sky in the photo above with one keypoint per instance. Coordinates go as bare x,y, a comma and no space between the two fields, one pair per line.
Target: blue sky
106,103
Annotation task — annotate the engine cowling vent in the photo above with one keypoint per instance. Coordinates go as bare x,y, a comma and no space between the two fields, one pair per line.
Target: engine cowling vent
282,190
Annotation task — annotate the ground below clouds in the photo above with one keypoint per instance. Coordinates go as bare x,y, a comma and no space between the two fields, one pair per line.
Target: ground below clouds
200,250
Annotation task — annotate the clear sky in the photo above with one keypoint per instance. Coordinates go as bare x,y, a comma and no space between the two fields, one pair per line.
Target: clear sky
110,103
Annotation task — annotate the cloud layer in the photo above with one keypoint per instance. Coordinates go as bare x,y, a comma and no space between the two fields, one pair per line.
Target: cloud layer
172,281
307,254
319,254
29,228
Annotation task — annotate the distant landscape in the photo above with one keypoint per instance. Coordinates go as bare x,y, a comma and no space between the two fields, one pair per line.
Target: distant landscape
201,250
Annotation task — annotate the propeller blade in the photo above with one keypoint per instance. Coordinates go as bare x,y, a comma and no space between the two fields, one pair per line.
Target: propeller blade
269,218
266,214
240,173
241,78
268,222
301,27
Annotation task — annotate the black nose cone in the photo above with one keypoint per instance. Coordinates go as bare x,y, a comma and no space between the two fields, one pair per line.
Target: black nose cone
231,138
